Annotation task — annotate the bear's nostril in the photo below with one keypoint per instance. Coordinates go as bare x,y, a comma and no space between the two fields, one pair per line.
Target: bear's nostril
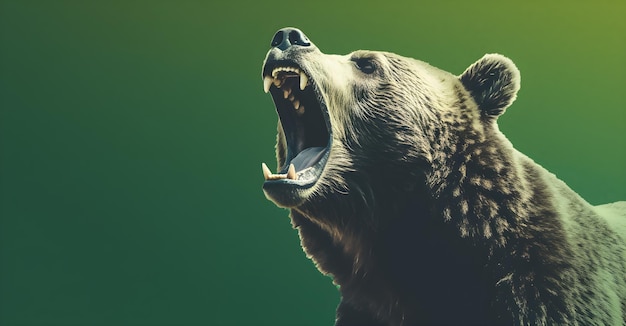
298,38
278,38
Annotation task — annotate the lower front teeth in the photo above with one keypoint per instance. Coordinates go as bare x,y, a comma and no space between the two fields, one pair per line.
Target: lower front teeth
268,175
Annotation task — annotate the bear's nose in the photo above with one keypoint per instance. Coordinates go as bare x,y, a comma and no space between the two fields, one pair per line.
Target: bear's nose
289,36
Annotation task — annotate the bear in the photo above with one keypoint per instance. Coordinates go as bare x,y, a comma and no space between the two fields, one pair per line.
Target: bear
404,191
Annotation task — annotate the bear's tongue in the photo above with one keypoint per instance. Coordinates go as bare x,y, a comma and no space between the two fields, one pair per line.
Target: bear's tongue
307,158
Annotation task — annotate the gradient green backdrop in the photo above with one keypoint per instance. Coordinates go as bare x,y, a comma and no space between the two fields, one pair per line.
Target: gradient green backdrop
132,134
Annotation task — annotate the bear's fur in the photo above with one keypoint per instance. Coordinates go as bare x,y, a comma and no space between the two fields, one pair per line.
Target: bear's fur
421,210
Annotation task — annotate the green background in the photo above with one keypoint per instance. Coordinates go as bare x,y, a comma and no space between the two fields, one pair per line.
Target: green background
132,134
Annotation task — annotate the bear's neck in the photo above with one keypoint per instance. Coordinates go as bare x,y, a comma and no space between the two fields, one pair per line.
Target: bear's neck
495,198
479,187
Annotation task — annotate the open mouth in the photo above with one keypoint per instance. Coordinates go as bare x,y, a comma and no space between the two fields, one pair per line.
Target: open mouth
305,122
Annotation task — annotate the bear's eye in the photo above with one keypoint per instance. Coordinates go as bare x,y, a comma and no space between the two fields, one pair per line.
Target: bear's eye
366,65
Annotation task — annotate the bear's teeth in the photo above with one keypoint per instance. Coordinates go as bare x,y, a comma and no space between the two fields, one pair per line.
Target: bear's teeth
296,104
291,173
267,82
266,171
304,80
285,69
286,92
268,175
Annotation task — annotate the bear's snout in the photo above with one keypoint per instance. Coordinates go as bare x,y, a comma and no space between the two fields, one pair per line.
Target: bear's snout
288,37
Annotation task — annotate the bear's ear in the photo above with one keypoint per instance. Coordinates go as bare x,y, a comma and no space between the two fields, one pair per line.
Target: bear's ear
493,82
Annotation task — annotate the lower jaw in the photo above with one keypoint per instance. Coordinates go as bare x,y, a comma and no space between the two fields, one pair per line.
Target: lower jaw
286,195
291,193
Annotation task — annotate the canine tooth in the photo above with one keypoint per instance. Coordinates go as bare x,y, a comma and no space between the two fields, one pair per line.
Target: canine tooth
267,82
296,104
286,92
267,173
291,173
304,80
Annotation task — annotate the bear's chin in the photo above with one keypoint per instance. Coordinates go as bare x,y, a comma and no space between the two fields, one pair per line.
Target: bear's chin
285,195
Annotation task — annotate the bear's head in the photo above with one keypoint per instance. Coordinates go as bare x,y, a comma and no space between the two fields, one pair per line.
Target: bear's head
358,128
